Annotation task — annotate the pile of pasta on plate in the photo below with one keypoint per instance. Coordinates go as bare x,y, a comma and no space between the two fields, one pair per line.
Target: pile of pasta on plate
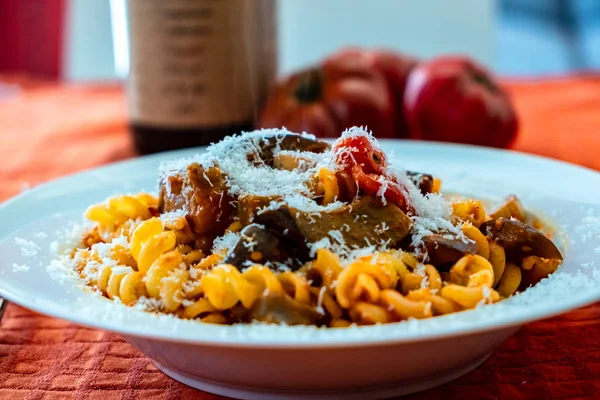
276,227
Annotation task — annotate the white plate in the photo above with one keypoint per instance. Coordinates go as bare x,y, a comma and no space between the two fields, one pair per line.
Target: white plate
260,361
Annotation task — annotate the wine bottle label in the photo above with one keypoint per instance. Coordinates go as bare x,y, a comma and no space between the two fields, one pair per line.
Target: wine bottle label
199,63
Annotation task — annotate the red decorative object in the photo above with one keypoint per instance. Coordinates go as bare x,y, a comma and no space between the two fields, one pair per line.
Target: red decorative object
32,35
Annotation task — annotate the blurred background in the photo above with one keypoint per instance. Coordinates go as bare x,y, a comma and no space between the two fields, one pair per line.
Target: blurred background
85,40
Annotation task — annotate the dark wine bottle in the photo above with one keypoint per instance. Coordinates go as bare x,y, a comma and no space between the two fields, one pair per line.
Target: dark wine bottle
199,69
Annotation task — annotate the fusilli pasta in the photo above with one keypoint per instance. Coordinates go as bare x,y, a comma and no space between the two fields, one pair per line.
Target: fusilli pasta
148,241
120,209
296,231
121,282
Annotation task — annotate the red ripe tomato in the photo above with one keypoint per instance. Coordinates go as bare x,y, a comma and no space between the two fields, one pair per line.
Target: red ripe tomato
454,99
367,165
344,91
359,150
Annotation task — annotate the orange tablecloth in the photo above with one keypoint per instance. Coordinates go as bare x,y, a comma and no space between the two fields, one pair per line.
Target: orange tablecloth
48,130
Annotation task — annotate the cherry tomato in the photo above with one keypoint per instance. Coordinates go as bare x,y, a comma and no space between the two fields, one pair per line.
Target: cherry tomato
366,164
358,150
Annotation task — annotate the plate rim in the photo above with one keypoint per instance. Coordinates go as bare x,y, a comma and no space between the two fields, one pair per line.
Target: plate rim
171,336
358,341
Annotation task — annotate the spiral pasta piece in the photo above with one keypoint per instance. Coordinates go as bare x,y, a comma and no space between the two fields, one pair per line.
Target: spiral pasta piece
512,208
340,323
235,226
166,279
119,209
471,279
328,182
433,277
411,281
225,285
469,210
510,280
199,307
295,286
439,304
171,290
121,282
390,260
325,300
210,261
193,257
328,266
264,279
161,269
364,279
428,277
215,318
404,307
181,227
436,186
368,314
537,268
409,260
470,297
483,246
498,261
472,271
121,255
149,241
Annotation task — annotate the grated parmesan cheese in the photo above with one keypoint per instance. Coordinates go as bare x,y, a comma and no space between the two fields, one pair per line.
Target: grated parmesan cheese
27,247
171,217
227,241
319,308
242,175
147,305
20,268
250,176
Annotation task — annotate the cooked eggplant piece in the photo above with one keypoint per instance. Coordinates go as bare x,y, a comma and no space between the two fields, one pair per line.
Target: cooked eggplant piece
262,244
253,239
282,222
170,195
249,205
363,222
444,252
281,309
279,221
520,240
423,181
207,206
268,144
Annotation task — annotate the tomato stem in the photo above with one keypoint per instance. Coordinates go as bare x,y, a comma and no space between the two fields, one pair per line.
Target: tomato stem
310,86
485,81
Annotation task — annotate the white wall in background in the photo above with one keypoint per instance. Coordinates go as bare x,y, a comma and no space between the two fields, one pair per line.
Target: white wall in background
308,30
88,50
